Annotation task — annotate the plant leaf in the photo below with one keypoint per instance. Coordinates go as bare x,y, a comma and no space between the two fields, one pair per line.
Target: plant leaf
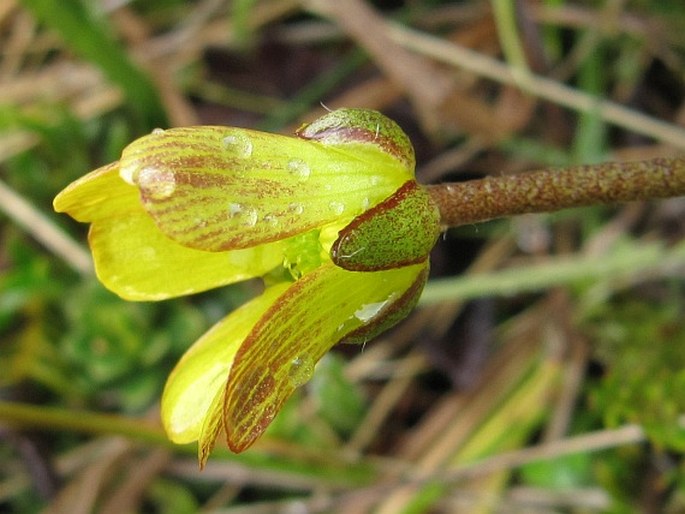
279,354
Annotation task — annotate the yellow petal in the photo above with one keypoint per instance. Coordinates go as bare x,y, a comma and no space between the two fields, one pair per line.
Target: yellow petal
211,427
99,194
220,188
201,373
134,259
279,355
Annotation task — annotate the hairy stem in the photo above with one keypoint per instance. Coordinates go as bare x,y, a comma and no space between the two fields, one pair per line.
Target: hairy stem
554,189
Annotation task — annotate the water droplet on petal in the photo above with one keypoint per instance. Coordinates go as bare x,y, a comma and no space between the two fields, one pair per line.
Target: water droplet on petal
365,203
239,144
234,208
156,184
129,174
241,215
375,179
250,217
271,220
337,207
368,311
157,131
301,370
147,253
299,169
296,208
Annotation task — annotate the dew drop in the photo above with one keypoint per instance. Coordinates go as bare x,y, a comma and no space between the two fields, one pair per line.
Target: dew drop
129,173
250,217
301,370
365,203
299,169
147,253
239,144
337,207
296,208
375,180
158,131
234,209
368,311
241,215
271,220
156,184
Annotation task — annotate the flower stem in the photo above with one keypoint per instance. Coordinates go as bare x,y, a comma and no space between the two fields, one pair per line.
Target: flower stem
555,189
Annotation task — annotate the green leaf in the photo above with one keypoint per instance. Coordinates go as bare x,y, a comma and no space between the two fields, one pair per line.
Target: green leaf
221,188
279,354
339,401
399,231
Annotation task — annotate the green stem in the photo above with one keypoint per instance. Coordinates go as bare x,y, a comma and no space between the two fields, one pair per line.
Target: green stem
555,189
329,470
638,259
28,415
510,40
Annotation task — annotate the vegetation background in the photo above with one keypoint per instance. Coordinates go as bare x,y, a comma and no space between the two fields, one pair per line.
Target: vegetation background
544,371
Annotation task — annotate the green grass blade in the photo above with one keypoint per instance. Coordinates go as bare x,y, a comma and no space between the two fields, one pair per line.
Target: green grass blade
636,258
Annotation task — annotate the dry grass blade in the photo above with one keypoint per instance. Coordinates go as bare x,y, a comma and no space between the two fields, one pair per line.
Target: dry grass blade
44,230
464,58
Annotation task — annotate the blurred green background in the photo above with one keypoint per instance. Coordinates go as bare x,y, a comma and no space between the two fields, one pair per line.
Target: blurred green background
503,393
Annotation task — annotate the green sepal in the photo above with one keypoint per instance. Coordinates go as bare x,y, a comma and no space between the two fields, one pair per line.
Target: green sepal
399,231
363,128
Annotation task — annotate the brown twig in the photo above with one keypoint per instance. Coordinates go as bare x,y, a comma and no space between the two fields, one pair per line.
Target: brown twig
552,190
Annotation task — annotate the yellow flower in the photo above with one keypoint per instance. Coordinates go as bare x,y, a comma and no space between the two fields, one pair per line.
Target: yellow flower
333,217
